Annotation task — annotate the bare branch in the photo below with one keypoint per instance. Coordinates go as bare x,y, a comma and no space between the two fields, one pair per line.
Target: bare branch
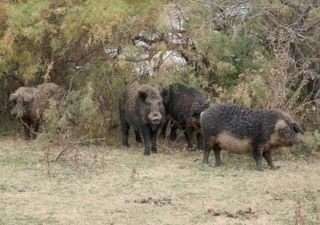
135,59
148,40
83,142
303,17
88,53
291,4
312,26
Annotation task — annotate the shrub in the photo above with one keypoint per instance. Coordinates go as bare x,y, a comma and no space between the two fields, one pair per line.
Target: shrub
89,110
311,142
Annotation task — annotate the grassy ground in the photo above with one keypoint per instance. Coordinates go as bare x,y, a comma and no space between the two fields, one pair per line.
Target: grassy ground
103,185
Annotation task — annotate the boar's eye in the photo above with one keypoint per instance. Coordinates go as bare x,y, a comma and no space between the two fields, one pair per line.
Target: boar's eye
142,95
296,128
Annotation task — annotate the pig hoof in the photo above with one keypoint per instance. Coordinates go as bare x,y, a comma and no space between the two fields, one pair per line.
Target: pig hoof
218,164
146,153
259,169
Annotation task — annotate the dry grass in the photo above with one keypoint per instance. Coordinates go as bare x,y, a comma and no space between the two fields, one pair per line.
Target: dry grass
103,185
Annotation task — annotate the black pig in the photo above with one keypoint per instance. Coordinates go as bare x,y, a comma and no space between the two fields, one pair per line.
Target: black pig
239,129
142,108
183,106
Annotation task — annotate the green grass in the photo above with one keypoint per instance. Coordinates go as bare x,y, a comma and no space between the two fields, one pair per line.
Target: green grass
104,185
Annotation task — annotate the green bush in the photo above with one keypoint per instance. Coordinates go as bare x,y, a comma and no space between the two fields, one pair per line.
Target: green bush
90,110
311,142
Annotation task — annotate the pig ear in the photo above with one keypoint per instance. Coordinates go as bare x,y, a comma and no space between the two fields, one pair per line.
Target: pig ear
297,128
142,95
281,125
165,95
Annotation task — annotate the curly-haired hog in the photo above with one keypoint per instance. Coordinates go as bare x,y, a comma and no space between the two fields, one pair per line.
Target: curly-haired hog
239,129
29,104
141,107
183,106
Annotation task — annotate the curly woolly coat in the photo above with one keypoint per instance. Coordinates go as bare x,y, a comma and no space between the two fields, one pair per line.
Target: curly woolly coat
29,104
240,129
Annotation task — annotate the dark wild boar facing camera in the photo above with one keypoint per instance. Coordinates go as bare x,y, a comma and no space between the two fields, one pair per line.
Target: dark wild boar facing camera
239,129
142,108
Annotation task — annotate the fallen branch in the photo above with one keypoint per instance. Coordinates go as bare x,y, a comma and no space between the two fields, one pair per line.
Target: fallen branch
28,127
84,142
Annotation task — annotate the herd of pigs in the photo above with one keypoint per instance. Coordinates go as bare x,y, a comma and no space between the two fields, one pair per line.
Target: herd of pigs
147,110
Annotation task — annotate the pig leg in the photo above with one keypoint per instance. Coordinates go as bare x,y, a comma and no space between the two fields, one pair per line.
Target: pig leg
206,153
125,132
138,136
217,151
26,132
154,141
173,132
189,137
200,140
36,129
164,129
26,127
257,155
267,156
146,135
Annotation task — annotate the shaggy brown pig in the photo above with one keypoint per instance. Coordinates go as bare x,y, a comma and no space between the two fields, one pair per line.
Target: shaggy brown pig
239,129
29,104
142,108
183,106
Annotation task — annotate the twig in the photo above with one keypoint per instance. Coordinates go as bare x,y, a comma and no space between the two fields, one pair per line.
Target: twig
27,126
179,136
298,217
90,141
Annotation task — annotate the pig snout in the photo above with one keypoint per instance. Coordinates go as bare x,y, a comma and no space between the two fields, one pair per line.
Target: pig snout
155,118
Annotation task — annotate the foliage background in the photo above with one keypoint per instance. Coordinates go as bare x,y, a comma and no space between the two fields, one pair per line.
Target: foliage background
257,53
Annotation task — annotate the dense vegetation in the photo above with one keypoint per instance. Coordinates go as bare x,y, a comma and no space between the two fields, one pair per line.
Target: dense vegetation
257,53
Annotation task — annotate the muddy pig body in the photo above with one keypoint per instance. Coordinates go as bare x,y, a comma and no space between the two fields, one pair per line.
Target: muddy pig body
183,106
141,107
239,129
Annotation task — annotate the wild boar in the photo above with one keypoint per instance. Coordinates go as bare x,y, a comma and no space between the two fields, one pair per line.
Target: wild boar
183,105
142,108
29,104
240,129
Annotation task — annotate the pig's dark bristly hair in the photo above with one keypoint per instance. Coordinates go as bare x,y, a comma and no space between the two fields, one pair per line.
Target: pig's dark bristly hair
135,104
184,105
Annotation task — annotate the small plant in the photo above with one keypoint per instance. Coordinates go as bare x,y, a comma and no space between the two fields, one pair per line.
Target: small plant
311,142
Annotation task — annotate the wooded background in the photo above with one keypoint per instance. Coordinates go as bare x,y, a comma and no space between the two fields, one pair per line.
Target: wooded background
259,53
